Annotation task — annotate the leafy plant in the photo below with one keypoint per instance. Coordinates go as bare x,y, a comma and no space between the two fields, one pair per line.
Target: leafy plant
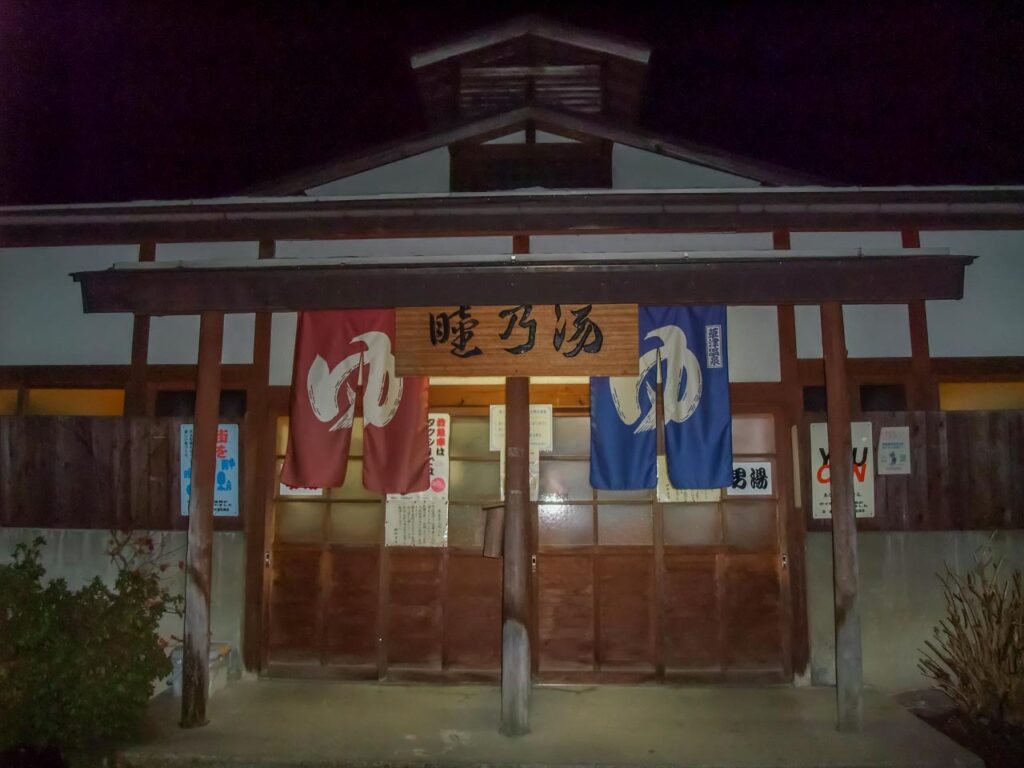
976,655
77,668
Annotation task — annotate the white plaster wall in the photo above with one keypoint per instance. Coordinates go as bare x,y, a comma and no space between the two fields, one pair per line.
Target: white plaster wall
426,172
175,339
753,344
636,169
900,597
283,324
989,320
872,330
79,555
41,317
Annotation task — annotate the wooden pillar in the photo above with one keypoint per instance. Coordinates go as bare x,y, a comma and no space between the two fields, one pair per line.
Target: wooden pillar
258,454
515,637
925,393
199,564
844,524
135,390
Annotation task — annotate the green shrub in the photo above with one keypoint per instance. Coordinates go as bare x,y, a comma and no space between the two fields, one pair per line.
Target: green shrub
77,668
976,656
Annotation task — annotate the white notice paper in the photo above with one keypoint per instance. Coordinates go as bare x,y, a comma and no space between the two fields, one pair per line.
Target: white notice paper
863,471
894,451
421,519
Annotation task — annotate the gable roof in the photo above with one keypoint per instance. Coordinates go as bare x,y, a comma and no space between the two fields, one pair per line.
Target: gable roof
544,118
536,27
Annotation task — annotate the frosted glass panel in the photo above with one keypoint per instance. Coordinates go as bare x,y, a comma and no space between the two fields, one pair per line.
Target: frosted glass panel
622,525
571,436
753,434
565,481
299,521
750,525
565,525
356,524
353,489
644,494
470,436
475,480
466,526
691,525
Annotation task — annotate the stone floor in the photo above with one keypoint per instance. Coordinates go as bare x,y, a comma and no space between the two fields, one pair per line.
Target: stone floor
271,723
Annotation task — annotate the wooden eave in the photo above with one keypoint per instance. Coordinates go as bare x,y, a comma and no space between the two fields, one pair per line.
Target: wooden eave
545,118
286,287
746,210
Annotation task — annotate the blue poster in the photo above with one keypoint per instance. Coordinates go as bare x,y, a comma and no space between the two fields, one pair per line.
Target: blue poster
225,494
688,345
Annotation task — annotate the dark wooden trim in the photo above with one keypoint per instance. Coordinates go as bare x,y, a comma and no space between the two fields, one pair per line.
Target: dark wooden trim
863,279
199,561
257,448
135,391
978,368
849,670
748,210
65,376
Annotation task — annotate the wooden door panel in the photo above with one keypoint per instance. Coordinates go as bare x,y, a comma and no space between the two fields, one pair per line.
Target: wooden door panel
625,604
294,606
565,611
752,613
690,613
414,615
351,631
473,612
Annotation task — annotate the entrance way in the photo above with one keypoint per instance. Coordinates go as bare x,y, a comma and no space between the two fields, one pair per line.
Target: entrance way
625,588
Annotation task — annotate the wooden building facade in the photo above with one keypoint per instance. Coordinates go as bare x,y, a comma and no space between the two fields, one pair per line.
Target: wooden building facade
535,183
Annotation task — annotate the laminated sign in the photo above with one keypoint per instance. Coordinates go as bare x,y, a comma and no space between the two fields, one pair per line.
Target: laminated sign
863,471
421,519
225,492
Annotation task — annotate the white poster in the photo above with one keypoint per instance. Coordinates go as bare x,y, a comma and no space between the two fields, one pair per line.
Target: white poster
863,471
894,451
751,478
668,493
421,519
540,427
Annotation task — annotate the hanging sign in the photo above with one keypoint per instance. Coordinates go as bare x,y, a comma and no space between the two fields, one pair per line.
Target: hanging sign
225,494
421,519
894,451
751,478
523,340
863,471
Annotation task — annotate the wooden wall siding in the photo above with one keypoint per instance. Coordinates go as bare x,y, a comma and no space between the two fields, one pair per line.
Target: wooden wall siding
565,612
486,167
626,609
414,617
692,620
967,472
93,472
295,626
472,638
351,624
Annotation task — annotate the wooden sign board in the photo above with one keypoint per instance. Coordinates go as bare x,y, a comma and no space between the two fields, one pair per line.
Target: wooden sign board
524,340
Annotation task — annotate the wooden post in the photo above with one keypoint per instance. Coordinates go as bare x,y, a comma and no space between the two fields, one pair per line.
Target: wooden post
515,636
199,565
844,524
135,389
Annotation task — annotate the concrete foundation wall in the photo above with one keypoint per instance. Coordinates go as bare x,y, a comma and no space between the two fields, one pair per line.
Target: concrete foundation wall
900,597
77,556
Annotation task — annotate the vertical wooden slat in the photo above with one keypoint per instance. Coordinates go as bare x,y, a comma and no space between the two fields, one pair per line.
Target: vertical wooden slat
159,475
515,639
8,477
258,458
200,524
849,672
135,390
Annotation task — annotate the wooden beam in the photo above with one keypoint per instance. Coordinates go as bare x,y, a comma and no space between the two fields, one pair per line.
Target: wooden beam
135,389
925,394
515,635
199,565
849,670
747,210
258,454
771,281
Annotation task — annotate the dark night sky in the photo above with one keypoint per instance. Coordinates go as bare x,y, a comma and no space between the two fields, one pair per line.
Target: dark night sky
112,101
